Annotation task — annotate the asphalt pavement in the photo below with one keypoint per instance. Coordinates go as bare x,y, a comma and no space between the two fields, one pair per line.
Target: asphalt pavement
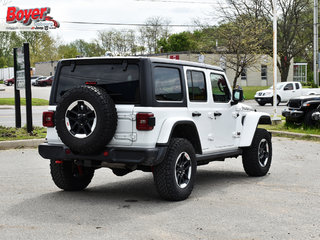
225,203
37,92
7,113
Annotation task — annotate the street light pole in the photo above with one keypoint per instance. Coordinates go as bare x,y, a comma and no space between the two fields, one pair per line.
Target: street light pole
275,60
315,42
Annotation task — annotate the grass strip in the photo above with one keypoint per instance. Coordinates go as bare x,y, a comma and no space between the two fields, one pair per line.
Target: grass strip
11,133
35,101
293,128
249,92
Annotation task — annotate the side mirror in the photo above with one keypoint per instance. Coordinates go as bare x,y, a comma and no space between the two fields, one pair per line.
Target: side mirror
237,96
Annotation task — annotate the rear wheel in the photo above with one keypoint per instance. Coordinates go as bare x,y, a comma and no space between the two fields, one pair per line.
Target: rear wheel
175,175
261,104
256,159
69,176
9,83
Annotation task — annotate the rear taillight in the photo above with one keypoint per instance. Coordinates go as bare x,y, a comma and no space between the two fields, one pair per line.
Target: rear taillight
145,121
48,119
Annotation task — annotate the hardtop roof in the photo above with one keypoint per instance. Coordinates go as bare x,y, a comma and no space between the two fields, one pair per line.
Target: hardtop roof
152,59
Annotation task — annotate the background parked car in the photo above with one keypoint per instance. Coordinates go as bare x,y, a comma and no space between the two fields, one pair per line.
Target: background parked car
45,81
39,79
9,82
34,79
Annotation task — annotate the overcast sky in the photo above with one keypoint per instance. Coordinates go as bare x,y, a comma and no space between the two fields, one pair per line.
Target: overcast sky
117,11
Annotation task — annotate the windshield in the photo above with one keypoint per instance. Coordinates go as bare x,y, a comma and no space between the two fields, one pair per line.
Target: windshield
279,86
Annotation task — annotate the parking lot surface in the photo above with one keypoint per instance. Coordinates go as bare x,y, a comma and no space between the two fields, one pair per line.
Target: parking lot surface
225,203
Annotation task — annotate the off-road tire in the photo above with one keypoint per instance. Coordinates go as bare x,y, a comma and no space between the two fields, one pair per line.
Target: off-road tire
70,177
309,122
251,155
105,114
165,173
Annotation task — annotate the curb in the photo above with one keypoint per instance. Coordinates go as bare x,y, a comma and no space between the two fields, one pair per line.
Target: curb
33,143
28,143
296,135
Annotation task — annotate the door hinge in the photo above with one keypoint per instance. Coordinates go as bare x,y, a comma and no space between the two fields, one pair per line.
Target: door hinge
235,114
127,116
236,134
210,137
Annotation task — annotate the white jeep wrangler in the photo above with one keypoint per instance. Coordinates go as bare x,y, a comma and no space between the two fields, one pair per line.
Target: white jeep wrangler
156,115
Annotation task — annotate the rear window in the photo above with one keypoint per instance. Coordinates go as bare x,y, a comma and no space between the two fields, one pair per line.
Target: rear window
121,81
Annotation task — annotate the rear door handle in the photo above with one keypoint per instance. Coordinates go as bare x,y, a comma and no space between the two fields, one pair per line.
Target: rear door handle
217,114
196,114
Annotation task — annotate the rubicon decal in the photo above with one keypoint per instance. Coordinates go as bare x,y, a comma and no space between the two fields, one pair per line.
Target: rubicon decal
38,16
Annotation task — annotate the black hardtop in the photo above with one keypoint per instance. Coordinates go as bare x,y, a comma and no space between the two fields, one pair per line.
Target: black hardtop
89,60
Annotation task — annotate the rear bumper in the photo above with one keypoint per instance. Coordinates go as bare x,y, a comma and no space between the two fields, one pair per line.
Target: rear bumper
293,114
139,156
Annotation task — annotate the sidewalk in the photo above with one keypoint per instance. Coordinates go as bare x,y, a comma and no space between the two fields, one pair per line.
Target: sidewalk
6,107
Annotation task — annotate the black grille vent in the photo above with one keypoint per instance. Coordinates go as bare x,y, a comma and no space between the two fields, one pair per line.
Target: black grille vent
294,103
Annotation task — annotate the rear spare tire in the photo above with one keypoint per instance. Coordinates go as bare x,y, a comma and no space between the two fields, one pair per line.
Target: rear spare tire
86,119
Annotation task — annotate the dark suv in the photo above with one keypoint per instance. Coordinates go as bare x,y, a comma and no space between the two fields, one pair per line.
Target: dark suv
301,110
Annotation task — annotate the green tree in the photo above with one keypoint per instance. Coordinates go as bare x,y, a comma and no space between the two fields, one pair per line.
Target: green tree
87,49
42,46
155,29
177,42
241,42
294,27
67,51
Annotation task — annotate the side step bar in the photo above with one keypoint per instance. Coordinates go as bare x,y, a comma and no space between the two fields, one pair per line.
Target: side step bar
218,156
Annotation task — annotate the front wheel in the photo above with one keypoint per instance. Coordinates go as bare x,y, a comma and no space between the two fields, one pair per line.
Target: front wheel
309,122
256,159
69,176
175,176
261,103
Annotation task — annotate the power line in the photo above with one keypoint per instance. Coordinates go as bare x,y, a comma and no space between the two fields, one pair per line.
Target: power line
173,1
128,24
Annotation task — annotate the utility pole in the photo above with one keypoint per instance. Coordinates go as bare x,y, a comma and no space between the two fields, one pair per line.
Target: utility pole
315,43
275,118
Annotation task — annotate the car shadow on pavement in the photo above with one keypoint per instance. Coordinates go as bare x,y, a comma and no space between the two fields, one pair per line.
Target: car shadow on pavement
117,200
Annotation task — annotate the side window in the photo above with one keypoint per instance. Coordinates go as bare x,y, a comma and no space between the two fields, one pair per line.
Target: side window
220,90
167,84
289,86
244,75
264,73
297,86
197,86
